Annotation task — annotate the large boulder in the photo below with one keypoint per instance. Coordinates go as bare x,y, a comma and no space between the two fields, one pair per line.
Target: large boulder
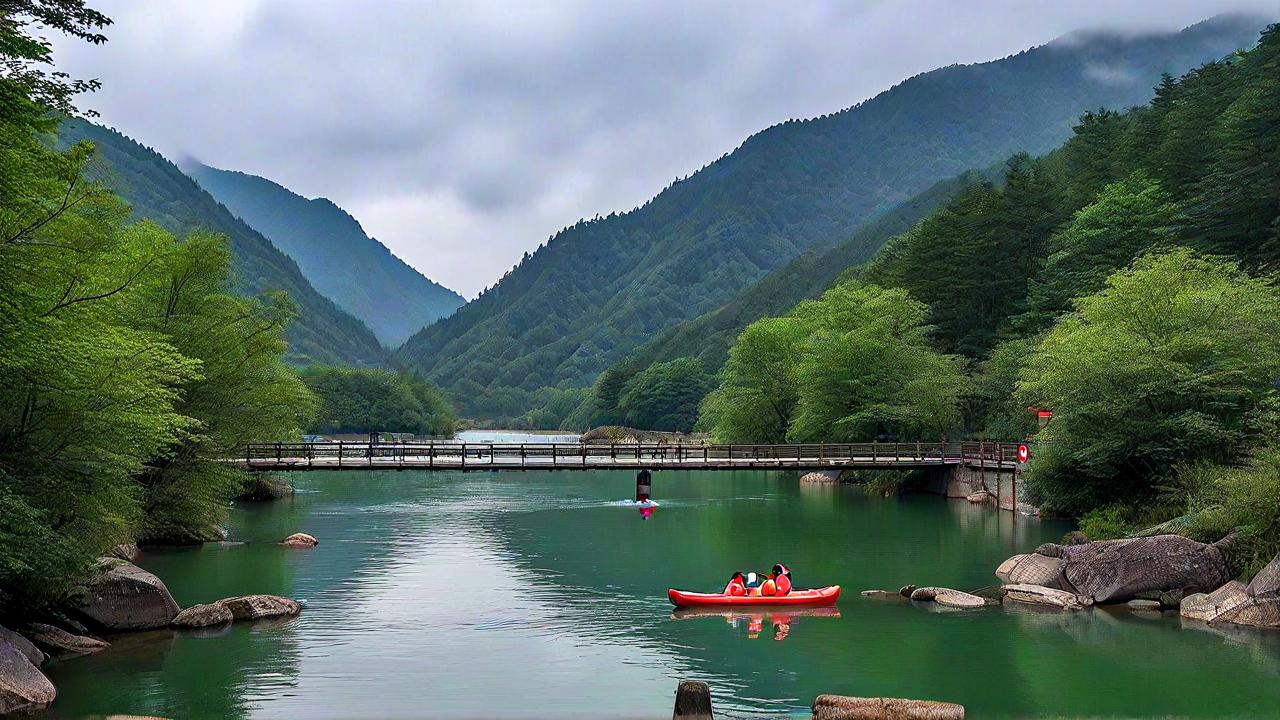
123,596
839,707
1255,605
61,644
1040,595
23,688
1119,570
1032,569
947,597
1261,612
254,607
203,616
23,645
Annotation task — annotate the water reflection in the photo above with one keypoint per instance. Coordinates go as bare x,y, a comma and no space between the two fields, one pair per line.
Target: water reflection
756,620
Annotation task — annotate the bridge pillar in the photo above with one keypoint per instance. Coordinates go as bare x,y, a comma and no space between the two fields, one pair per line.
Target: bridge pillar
644,485
963,480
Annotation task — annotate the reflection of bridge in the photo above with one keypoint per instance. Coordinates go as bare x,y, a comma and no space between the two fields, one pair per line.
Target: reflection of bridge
651,456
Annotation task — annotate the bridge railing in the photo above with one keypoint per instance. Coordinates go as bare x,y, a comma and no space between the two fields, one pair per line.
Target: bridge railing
452,454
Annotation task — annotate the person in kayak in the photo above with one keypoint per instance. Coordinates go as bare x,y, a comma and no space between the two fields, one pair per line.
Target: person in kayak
781,577
756,585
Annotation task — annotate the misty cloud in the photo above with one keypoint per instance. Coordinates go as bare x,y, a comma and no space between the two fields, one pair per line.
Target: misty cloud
463,134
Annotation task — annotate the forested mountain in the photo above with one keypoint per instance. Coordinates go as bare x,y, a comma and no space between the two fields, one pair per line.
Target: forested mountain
601,287
708,337
156,189
1126,282
355,271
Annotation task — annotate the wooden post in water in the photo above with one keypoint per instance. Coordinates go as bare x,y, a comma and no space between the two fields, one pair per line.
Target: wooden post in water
693,701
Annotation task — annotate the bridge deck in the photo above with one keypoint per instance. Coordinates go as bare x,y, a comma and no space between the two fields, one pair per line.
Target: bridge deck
577,456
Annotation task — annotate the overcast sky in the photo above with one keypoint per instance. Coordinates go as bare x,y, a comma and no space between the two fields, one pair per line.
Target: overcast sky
462,134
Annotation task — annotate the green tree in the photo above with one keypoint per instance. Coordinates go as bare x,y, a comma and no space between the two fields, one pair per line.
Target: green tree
1127,219
756,399
370,400
868,368
27,55
1172,362
244,393
665,396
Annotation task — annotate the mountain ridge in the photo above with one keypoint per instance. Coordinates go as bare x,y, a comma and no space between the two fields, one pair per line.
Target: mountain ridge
598,289
360,274
156,189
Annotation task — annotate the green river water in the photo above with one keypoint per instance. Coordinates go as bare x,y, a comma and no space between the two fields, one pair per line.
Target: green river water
537,595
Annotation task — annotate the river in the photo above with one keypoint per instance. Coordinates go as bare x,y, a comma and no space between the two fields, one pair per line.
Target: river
536,595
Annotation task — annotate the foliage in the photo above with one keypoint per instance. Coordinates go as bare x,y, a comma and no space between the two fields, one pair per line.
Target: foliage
343,263
244,393
849,366
354,400
127,370
601,287
992,406
1127,219
24,52
756,399
1172,362
1245,500
665,396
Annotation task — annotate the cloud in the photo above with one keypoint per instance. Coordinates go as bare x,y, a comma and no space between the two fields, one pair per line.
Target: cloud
463,134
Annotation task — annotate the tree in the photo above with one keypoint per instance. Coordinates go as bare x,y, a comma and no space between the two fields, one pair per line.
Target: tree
1127,219
867,368
244,392
370,400
665,396
24,53
1172,362
756,399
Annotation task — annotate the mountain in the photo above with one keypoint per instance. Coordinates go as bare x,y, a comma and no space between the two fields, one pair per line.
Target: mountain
709,336
357,272
158,190
599,288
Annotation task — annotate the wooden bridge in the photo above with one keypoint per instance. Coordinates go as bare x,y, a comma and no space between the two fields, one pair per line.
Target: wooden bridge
628,456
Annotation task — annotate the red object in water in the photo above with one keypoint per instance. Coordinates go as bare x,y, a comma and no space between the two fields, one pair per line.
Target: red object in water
796,598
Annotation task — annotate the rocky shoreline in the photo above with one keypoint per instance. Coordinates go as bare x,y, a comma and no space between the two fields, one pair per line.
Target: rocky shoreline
1148,574
120,597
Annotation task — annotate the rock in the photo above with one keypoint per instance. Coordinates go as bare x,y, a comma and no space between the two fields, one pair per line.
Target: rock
1040,595
1168,599
881,595
1028,509
1145,605
993,594
948,597
61,644
1033,569
123,596
126,551
982,496
253,607
23,688
23,645
906,590
1263,612
839,707
300,541
1120,570
1207,606
203,616
693,700
1267,582
821,476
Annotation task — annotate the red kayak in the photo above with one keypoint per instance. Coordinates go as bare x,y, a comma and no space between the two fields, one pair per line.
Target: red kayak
795,598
